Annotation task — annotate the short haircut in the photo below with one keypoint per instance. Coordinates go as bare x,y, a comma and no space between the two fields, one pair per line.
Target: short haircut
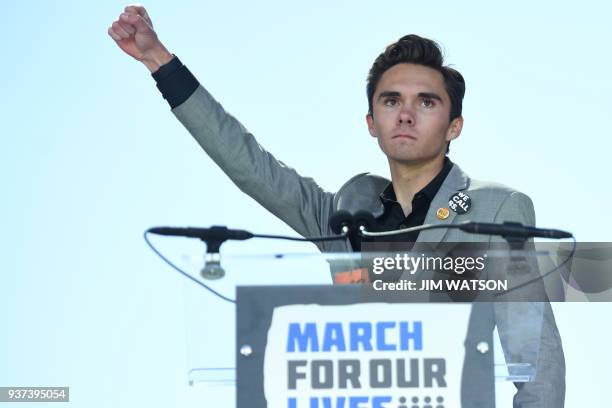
421,51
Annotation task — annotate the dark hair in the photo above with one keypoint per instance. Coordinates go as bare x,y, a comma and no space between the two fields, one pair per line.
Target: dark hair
422,51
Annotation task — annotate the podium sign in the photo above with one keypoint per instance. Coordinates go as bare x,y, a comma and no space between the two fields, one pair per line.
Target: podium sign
350,347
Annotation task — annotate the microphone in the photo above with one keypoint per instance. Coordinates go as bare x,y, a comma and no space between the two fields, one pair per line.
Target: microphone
341,222
512,229
215,232
364,221
214,237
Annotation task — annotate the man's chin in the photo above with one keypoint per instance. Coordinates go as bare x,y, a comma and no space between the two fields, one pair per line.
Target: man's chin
413,159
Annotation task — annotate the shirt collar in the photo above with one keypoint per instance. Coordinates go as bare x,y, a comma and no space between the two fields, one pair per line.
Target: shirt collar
429,191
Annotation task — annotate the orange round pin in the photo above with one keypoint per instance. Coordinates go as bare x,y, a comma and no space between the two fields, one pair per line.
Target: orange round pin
442,213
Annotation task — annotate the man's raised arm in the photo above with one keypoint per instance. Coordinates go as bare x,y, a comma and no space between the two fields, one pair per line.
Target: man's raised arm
296,200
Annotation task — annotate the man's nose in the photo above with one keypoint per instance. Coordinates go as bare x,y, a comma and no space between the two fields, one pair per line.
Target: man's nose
406,117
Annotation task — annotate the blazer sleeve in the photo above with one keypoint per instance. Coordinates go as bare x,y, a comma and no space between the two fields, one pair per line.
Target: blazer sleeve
296,200
527,330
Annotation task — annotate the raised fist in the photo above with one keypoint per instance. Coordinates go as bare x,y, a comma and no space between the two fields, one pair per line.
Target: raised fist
133,32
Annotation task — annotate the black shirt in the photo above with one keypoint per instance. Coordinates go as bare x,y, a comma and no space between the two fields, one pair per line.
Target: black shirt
393,217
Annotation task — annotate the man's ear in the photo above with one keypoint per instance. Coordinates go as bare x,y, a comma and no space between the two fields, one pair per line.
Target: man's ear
370,122
454,129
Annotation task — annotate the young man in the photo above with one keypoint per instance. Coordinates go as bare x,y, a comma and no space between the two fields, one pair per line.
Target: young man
414,112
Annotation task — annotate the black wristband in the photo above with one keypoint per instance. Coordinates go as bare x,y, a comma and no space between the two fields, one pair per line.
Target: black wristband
167,69
175,82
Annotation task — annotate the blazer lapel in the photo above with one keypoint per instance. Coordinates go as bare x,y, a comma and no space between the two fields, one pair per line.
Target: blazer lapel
456,180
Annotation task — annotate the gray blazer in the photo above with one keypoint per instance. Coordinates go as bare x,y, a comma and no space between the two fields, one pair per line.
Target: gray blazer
306,207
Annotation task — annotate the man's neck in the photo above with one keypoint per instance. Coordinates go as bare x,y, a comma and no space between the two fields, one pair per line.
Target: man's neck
409,179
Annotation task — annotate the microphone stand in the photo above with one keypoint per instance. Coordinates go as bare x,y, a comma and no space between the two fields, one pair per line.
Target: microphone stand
212,269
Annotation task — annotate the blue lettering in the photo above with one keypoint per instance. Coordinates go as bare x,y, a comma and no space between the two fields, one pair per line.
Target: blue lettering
380,336
327,402
333,337
302,339
416,335
341,402
355,402
361,333
377,402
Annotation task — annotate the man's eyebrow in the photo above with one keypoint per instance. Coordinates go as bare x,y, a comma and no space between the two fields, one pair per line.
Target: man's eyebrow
388,94
430,95
395,94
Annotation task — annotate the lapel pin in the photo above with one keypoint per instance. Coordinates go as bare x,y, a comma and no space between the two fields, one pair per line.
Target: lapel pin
460,202
442,213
